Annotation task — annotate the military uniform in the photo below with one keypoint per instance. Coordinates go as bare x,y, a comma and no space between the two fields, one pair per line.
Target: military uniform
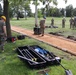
71,23
52,22
2,35
42,26
63,23
74,21
74,24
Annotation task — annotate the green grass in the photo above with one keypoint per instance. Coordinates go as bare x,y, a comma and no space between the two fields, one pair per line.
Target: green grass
10,64
30,23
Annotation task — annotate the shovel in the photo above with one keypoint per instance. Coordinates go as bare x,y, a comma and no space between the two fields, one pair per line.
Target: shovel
67,71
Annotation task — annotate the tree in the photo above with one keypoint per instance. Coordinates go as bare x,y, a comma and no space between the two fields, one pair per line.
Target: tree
39,13
6,13
20,6
45,2
51,11
36,12
62,11
69,10
47,5
16,5
74,12
1,12
57,12
65,9
26,7
35,2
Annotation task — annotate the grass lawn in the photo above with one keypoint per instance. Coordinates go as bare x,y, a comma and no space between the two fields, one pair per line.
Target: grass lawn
30,22
10,64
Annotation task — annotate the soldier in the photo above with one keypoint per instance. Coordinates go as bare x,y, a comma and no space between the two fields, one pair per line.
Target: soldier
42,26
75,21
52,22
71,22
2,32
63,23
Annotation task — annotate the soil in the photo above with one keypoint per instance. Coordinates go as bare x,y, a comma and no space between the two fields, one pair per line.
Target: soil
55,41
59,34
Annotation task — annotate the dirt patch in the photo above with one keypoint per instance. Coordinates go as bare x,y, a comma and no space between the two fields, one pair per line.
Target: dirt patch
43,71
60,34
71,37
56,33
55,41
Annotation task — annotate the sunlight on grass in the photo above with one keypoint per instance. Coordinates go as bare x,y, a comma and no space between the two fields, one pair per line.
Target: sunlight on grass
30,24
10,64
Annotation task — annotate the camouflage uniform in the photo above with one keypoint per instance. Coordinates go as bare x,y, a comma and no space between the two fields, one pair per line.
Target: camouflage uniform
74,22
63,23
52,22
2,35
42,26
71,23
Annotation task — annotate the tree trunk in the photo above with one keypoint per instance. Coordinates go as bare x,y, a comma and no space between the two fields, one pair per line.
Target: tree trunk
36,14
6,13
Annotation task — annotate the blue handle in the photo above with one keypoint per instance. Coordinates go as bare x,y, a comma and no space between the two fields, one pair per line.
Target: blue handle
46,74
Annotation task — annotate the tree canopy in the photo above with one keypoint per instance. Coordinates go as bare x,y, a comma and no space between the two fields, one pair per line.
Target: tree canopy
17,4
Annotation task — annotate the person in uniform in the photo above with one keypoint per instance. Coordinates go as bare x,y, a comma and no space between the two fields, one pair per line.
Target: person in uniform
63,23
75,22
52,22
2,32
71,22
42,26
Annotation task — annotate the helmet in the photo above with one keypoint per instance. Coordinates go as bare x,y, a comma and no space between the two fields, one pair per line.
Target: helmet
3,17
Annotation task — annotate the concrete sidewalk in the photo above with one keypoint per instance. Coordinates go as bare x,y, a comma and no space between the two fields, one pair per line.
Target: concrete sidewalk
55,41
